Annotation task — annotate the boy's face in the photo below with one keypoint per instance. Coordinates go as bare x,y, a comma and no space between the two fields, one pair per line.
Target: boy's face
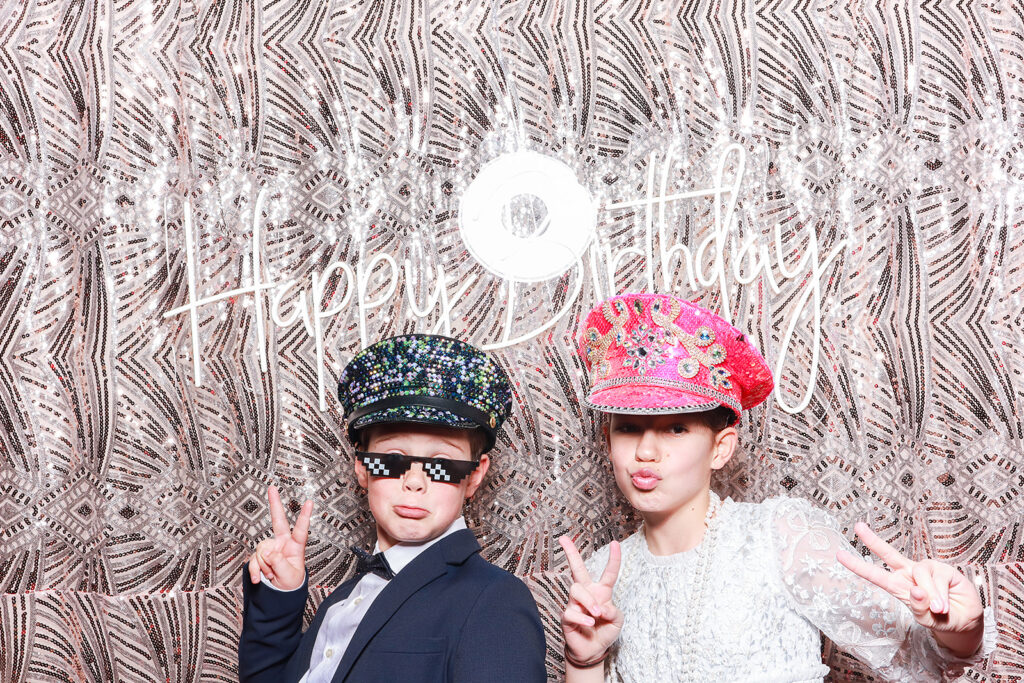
663,463
413,508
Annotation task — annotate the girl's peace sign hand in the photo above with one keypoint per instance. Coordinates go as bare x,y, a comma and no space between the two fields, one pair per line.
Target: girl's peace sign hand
940,597
590,622
282,558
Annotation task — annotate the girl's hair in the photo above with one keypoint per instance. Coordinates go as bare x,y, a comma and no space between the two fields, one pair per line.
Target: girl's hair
715,419
718,418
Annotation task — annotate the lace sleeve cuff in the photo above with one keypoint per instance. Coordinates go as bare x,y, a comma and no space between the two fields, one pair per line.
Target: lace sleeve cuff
923,659
979,658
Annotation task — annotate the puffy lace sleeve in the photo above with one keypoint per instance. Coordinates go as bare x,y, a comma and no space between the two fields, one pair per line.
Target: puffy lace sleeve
856,615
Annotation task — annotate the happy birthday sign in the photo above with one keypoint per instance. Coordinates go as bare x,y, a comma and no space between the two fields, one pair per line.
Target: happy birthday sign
565,236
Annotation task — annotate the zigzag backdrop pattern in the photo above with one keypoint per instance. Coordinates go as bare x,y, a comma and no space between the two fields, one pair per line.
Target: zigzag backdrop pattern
130,496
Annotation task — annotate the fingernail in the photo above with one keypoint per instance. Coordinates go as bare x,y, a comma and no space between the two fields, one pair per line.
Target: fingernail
936,605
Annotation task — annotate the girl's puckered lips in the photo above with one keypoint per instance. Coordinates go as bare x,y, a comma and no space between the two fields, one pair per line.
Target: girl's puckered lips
645,479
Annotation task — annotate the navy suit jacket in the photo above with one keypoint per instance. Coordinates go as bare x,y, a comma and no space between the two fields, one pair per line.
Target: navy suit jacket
449,615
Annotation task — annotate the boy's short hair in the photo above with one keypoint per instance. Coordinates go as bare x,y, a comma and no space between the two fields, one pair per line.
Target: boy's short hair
477,442
477,437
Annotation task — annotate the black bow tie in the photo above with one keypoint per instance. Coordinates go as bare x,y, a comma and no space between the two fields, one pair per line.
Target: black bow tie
377,564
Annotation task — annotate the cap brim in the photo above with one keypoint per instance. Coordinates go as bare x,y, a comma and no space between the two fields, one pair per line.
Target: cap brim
648,399
416,415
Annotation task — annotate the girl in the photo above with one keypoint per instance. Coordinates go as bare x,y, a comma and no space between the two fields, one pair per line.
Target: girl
715,590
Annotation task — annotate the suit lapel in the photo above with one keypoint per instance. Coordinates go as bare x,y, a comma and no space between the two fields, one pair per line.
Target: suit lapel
428,566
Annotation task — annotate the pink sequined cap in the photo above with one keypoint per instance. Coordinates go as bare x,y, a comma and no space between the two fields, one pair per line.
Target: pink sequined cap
654,354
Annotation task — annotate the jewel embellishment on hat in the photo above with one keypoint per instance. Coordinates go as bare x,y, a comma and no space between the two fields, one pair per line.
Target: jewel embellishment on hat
598,345
705,335
645,349
696,344
689,367
720,378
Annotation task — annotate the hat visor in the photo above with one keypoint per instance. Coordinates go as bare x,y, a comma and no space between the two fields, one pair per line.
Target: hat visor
648,399
427,415
415,414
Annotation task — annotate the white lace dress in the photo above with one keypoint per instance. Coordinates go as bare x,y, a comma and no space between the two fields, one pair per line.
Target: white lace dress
772,587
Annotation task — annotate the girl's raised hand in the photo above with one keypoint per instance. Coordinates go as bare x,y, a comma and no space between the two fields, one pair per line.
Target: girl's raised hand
939,596
590,622
282,558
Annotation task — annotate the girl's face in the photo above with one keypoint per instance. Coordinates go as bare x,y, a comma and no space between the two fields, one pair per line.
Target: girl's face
663,463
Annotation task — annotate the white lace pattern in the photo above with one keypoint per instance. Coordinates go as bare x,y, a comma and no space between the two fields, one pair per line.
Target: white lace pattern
774,587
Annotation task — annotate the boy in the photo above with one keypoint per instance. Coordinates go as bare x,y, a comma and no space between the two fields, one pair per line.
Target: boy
715,590
422,411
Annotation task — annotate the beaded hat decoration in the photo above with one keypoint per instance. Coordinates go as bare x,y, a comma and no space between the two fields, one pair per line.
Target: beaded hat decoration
427,379
656,354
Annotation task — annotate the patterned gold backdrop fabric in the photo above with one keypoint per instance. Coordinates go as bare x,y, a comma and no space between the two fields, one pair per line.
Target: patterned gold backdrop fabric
147,146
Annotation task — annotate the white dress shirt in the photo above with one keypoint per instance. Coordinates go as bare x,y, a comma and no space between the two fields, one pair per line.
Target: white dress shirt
342,619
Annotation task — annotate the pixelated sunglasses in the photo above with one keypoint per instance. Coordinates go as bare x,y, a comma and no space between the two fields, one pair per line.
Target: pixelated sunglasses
394,465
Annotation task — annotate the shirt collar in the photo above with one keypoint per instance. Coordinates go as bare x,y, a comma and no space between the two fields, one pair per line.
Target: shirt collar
402,554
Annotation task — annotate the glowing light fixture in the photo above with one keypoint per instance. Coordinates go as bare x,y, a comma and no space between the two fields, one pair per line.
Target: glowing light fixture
525,217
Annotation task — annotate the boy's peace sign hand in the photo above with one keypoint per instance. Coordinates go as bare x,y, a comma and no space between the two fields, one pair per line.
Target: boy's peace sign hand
590,622
940,597
282,558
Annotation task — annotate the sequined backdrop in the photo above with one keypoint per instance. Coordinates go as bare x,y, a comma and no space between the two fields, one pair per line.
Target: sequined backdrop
146,146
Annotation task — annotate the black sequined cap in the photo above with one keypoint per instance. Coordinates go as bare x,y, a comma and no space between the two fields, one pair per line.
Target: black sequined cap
425,379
